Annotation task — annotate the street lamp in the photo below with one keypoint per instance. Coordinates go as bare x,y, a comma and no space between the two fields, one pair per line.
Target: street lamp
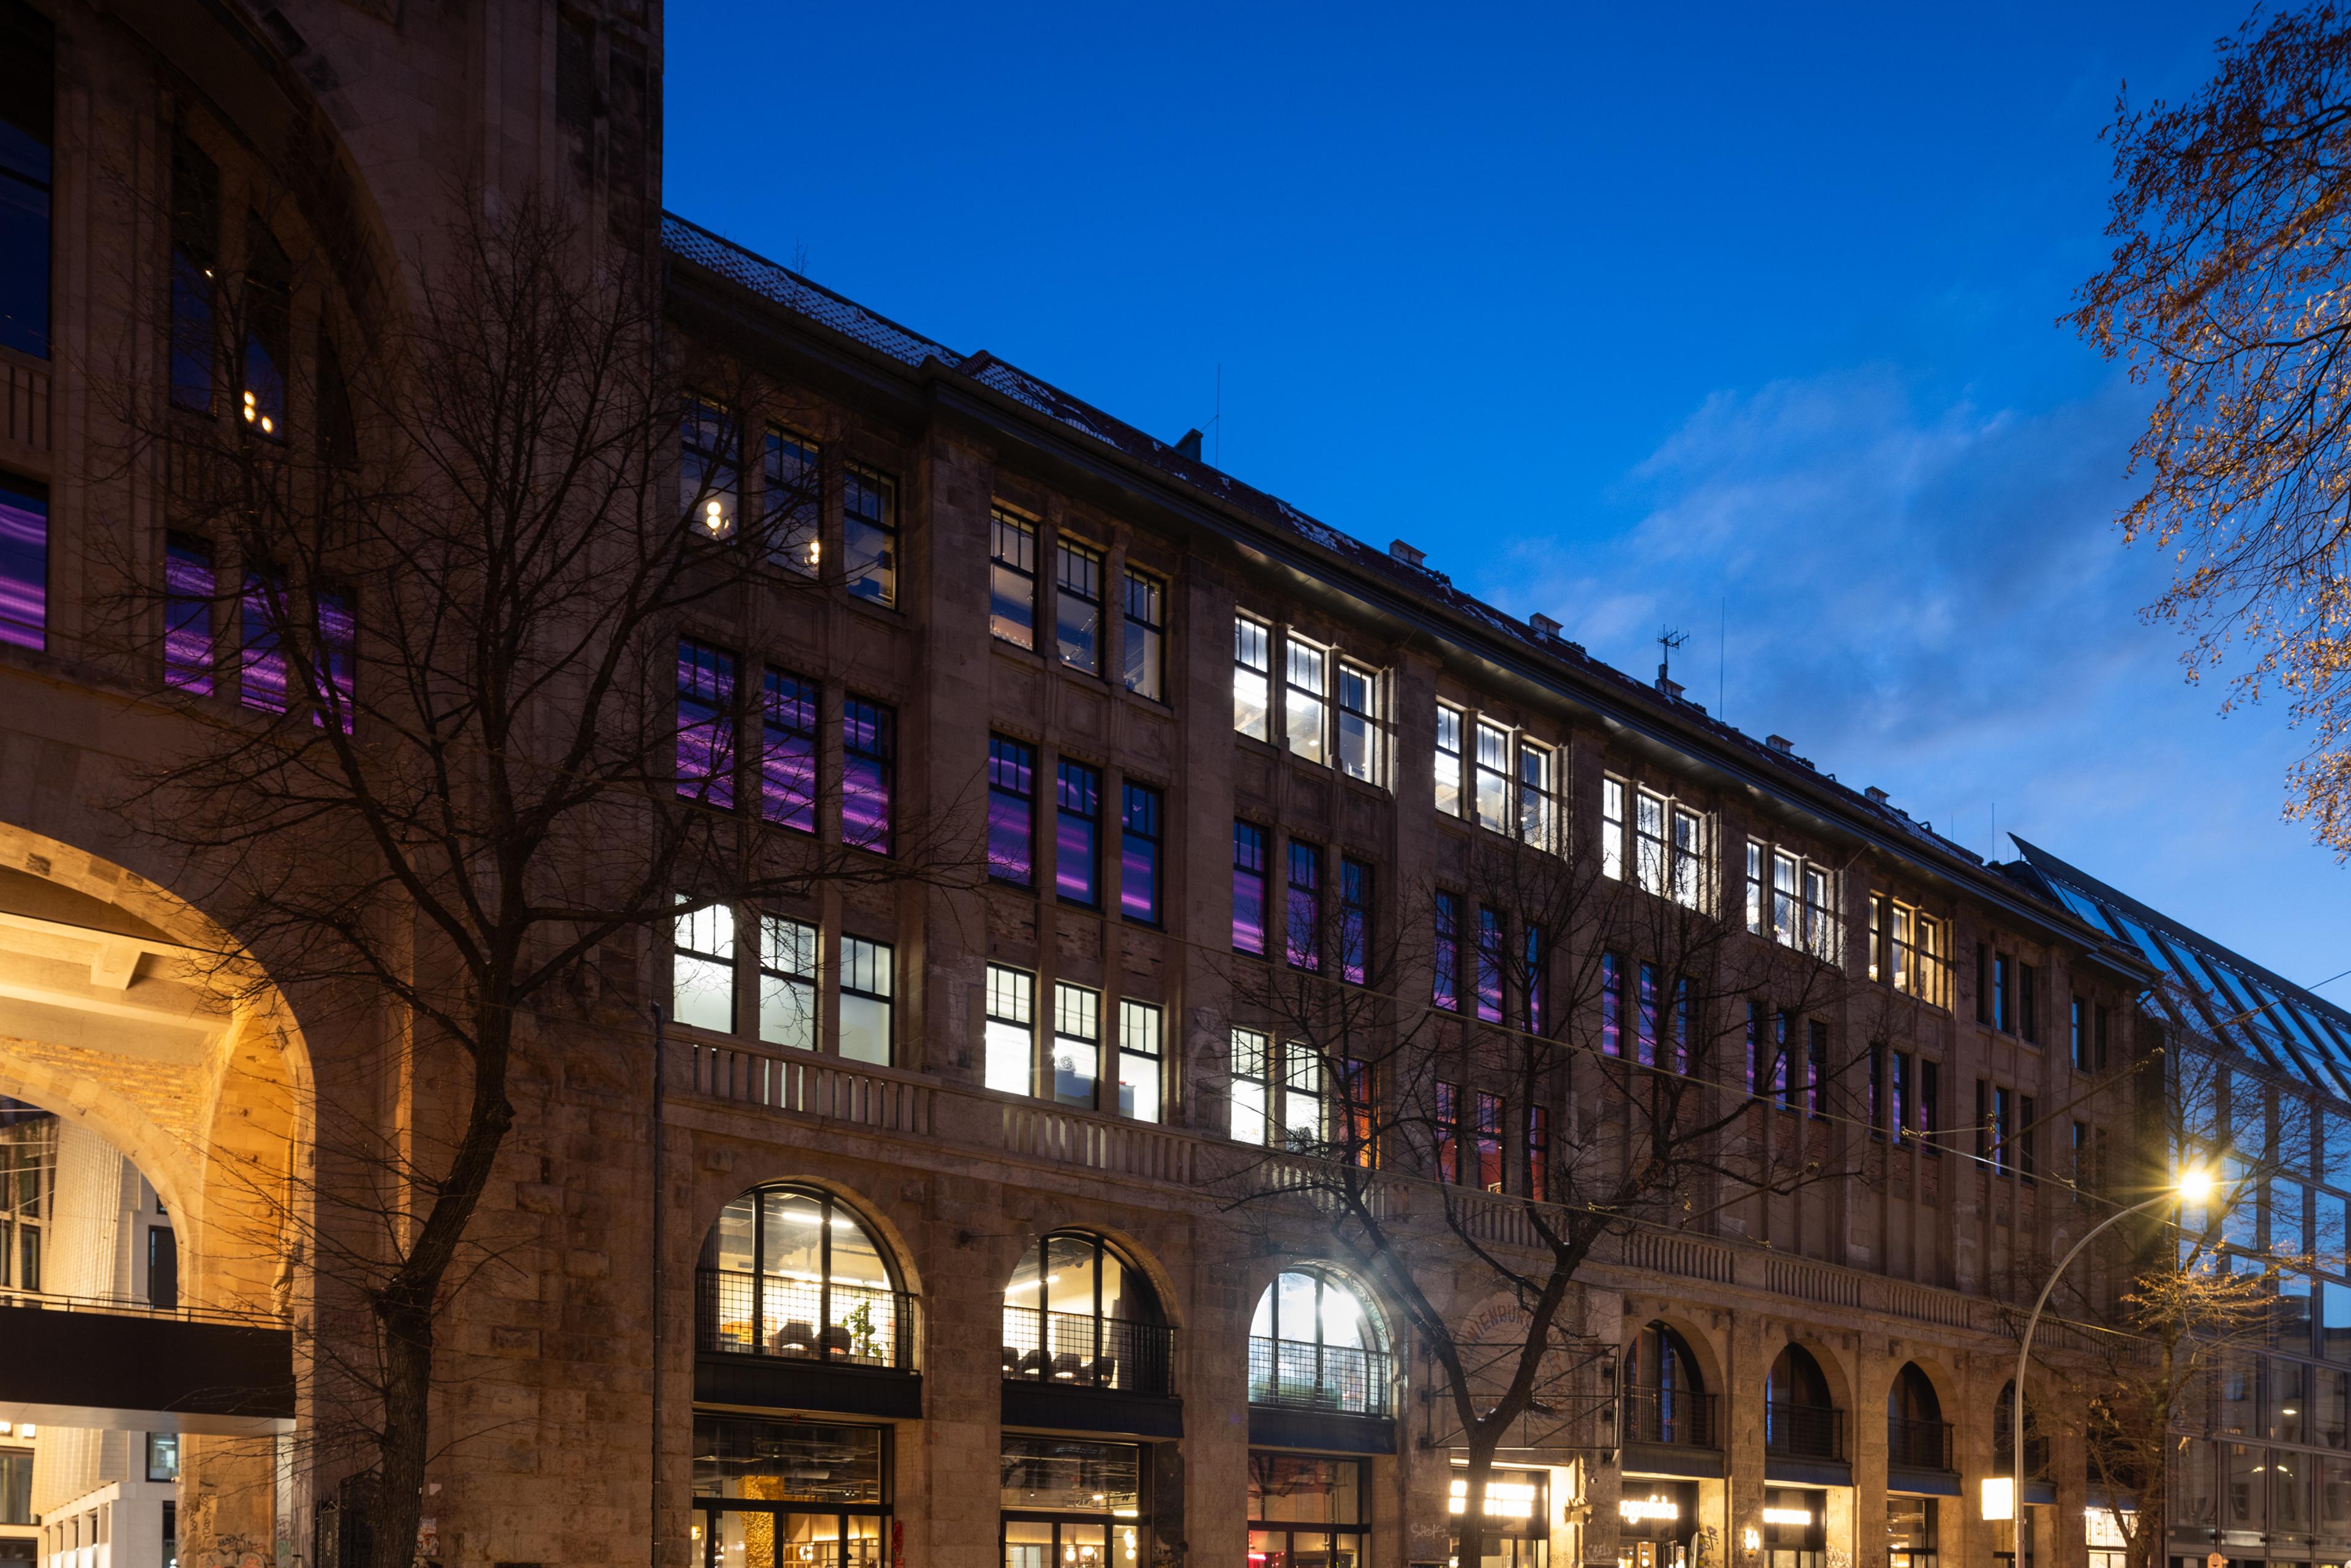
2193,1186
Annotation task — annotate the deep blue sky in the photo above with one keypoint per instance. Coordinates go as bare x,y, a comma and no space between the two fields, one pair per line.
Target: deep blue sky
1622,317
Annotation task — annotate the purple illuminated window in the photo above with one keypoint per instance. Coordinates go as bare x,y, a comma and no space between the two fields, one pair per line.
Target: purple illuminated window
1077,832
868,736
1448,1132
1754,1045
1249,888
1011,810
788,723
1490,1141
1354,922
1538,956
1681,1026
1612,1005
337,657
262,673
1489,964
1138,854
705,731
1303,944
1446,988
24,561
188,588
1646,1018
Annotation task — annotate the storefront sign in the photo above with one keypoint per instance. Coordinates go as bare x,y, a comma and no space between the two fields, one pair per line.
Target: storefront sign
1635,1510
1787,1516
1999,1498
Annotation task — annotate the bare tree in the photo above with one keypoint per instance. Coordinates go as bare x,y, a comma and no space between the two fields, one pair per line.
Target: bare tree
446,761
1652,1063
2232,245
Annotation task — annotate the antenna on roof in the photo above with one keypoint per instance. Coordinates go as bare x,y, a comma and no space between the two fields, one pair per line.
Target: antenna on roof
1668,639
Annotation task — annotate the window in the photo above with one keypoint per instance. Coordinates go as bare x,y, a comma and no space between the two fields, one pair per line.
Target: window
1786,920
1077,605
188,589
1816,1069
1303,714
1930,1104
1489,964
1445,985
1147,635
1138,852
1538,810
1612,1005
268,305
787,719
1688,858
1313,1345
1754,888
28,94
1539,1154
23,560
1493,776
1358,1092
709,471
1359,722
1077,832
1011,810
267,608
2077,1035
1448,1133
163,1456
1302,1100
1681,1026
2027,1137
2028,1003
1611,828
1077,1044
336,650
1249,888
1803,906
1449,759
865,1008
1649,840
1252,675
2003,993
869,743
702,969
1537,954
705,715
195,269
869,518
1488,1110
1139,1058
1303,945
1908,950
1077,1312
1010,1041
2098,1038
791,471
1354,922
1644,1016
790,1272
788,982
1898,1097
1012,578
1250,1050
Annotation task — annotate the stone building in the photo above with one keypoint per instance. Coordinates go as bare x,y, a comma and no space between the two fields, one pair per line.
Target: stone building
949,1266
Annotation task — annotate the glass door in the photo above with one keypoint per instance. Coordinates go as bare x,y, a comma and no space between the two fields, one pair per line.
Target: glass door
1031,1541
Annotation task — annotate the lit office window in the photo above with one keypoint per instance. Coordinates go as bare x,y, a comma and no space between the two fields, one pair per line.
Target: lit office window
1145,650
1611,828
787,961
1449,760
789,471
1010,1041
1493,778
1303,709
1012,578
1252,675
1077,605
1140,1056
867,977
1251,1050
709,471
870,534
1077,1044
702,969
1359,722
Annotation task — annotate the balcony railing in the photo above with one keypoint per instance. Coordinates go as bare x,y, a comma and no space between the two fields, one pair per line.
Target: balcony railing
739,1313
1802,1431
1669,1415
1296,1376
1918,1444
1075,1350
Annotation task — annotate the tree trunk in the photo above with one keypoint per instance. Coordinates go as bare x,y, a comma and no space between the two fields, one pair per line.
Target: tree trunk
1475,1525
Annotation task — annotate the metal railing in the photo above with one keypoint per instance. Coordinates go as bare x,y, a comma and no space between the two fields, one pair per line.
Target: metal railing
1802,1431
738,1313
1920,1445
1297,1376
1077,1350
1669,1415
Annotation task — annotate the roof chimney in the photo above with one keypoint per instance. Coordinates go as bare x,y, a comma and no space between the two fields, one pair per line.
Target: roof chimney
1672,688
1544,626
1190,445
1406,554
1876,794
1781,744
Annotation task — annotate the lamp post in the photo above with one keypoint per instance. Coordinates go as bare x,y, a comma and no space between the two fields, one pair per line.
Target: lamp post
2193,1186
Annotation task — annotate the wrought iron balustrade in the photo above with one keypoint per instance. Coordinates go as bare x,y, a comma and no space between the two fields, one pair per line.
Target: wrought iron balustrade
1296,1376
1076,1350
1669,1416
1802,1431
1918,1444
741,1314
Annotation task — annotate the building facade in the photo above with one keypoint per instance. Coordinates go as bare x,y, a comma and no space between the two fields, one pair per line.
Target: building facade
949,1266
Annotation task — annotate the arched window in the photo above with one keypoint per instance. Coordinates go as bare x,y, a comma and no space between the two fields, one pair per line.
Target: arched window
791,1272
2003,1436
1917,1436
1077,1313
1315,1344
1665,1399
1800,1420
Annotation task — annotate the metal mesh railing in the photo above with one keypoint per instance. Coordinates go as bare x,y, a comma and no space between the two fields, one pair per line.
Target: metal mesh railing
804,1320
1920,1445
1804,1431
1297,1376
1669,1415
1078,1351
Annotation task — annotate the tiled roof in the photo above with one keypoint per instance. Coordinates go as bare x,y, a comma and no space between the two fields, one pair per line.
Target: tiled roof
690,241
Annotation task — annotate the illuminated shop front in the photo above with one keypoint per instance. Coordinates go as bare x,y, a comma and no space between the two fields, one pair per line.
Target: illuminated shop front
1655,1521
1911,1523
1073,1504
1306,1510
1795,1527
778,1494
1517,1518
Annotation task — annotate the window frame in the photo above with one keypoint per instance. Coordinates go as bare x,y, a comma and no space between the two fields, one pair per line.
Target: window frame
1131,1010
1249,1066
775,975
777,496
1361,738
1007,1002
1306,709
1081,783
781,731
1091,560
1147,841
1253,635
1302,943
1012,780
1003,521
880,758
884,1000
884,566
1499,771
1143,652
1077,1022
1263,840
